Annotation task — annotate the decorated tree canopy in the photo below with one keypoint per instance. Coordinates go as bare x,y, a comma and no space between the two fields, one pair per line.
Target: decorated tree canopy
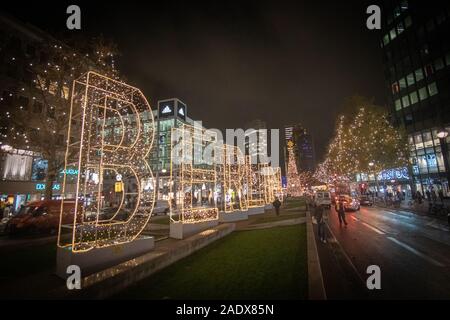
364,140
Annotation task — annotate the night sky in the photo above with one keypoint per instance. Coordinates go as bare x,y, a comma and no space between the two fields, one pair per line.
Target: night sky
234,61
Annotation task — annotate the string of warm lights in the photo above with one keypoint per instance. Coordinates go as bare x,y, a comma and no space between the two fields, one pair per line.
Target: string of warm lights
100,103
366,138
293,178
190,172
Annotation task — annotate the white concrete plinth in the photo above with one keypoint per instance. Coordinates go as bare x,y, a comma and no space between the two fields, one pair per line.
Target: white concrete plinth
180,230
255,210
268,206
101,258
232,216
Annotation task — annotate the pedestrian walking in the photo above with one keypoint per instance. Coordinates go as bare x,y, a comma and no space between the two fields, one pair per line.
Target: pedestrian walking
433,195
419,197
341,213
441,195
428,193
321,215
277,204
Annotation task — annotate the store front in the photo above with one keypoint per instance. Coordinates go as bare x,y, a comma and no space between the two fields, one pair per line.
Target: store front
390,182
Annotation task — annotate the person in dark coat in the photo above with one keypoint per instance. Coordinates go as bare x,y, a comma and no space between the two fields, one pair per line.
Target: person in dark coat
441,195
428,193
277,204
341,213
321,215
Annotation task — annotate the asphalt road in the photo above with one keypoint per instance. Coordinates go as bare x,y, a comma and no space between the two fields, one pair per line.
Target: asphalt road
413,254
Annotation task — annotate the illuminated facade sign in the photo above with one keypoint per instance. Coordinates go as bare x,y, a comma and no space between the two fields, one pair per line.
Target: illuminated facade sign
387,175
41,186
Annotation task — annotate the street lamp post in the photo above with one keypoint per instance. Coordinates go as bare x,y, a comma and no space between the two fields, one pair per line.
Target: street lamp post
442,135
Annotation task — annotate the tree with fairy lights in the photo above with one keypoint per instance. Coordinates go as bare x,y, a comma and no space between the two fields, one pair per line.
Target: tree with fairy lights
39,122
293,178
364,140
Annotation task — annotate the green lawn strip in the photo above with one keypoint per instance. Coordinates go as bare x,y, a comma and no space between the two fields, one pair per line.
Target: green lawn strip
258,264
278,218
27,260
295,204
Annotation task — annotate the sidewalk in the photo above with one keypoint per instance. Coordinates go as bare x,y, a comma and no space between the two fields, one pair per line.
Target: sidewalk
418,209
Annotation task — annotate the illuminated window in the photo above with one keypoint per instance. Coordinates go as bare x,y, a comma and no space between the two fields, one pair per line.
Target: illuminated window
419,74
53,87
17,167
405,101
398,105
393,34
432,89
410,79
39,169
41,83
386,39
402,83
414,97
65,92
423,94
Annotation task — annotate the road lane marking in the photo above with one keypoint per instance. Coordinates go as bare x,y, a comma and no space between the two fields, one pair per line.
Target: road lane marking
419,254
354,218
373,228
344,253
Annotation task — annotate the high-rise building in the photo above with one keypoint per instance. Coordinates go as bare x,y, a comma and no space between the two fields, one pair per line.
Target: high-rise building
256,140
416,55
171,113
303,147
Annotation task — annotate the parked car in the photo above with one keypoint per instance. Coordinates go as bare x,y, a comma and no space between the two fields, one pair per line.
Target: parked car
41,217
350,204
161,208
322,198
365,201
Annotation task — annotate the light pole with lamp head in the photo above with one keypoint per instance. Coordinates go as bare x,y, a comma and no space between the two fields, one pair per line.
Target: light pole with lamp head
442,134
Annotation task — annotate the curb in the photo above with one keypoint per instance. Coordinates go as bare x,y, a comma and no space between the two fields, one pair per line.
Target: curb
316,288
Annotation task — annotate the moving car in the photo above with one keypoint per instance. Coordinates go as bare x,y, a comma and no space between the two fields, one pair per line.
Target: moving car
322,198
350,204
365,201
41,217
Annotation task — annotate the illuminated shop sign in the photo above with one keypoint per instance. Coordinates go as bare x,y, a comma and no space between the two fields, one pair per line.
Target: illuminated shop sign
387,175
181,111
166,109
394,174
70,172
41,186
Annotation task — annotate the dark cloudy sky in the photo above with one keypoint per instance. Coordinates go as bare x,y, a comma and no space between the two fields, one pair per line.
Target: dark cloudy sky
234,61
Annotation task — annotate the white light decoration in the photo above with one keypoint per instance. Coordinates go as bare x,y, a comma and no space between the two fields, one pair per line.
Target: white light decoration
255,184
112,142
193,177
293,178
233,177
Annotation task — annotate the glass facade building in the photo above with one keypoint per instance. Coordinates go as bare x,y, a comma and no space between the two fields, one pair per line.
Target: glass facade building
304,147
416,54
